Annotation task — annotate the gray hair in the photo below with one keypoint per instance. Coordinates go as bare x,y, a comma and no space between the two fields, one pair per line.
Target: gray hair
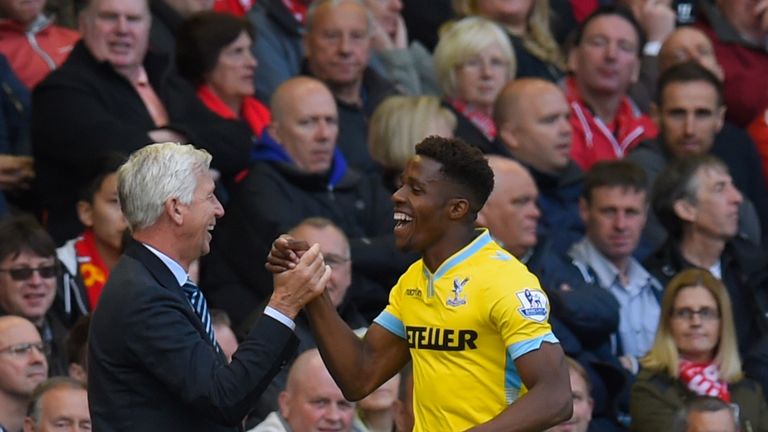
153,175
35,406
702,404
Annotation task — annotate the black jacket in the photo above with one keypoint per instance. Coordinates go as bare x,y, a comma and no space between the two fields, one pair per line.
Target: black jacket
85,109
152,366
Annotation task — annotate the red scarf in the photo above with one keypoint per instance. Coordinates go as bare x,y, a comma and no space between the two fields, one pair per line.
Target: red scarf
90,267
253,112
481,120
704,379
235,7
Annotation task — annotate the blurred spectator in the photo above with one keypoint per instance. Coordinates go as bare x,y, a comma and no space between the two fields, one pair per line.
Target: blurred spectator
311,400
695,199
532,119
473,61
398,124
301,173
690,115
738,30
334,246
214,53
688,44
167,17
58,404
424,19
234,7
16,167
28,271
222,328
614,208
22,368
706,413
376,412
604,62
30,40
111,95
88,258
527,23
337,47
695,353
76,345
582,401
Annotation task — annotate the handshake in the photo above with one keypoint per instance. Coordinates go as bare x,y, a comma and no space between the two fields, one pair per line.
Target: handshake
300,274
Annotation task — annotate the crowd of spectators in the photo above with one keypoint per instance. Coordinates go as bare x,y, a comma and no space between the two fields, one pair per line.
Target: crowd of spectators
628,140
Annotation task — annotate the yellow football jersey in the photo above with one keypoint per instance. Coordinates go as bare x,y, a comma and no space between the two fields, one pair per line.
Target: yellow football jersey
465,325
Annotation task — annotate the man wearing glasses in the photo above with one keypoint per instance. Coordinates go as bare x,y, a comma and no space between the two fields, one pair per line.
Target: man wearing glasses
22,367
28,273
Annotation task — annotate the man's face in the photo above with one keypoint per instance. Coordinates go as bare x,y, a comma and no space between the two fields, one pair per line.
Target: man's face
317,405
614,218
307,129
511,213
421,205
689,117
686,44
606,62
30,297
716,211
541,131
20,371
582,407
22,11
62,409
335,250
711,421
338,43
104,215
480,78
116,31
200,216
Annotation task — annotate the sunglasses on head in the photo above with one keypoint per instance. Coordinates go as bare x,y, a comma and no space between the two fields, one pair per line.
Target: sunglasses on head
24,273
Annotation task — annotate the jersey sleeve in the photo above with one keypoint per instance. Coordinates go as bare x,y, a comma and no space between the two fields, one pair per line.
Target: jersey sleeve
520,310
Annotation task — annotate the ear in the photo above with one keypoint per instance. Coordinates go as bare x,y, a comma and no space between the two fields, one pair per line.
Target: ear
721,117
481,219
655,114
174,210
85,213
458,208
636,71
77,372
282,404
508,137
573,61
29,425
684,210
583,209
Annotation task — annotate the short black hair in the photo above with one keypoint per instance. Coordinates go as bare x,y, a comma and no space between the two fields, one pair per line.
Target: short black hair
22,233
201,38
616,10
463,164
102,168
690,71
615,173
678,182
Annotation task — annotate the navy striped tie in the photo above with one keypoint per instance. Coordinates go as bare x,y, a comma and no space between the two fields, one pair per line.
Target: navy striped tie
200,306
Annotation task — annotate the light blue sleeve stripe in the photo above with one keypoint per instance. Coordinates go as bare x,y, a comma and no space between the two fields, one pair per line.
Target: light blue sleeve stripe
521,348
391,323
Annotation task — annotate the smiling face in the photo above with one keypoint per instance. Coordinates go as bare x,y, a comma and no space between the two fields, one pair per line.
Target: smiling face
480,78
32,297
117,31
20,373
689,117
200,217
337,44
614,217
421,213
232,77
695,337
606,59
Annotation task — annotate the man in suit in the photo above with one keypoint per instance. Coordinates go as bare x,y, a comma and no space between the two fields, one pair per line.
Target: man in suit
152,361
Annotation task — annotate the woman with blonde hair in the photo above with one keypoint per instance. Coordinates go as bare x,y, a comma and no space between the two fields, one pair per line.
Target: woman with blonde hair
695,353
473,61
527,24
398,124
